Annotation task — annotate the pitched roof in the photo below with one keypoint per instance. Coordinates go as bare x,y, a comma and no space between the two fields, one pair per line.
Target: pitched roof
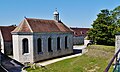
6,32
41,25
80,31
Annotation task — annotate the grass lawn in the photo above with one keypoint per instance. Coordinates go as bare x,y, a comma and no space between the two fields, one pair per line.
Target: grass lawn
95,60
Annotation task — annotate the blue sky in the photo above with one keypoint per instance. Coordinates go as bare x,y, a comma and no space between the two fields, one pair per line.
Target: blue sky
74,13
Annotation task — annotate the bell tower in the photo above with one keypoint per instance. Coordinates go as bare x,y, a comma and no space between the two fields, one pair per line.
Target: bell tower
56,15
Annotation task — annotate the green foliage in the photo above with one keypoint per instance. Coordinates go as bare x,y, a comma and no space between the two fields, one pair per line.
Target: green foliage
105,27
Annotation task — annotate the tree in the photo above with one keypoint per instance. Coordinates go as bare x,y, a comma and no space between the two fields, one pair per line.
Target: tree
105,27
116,15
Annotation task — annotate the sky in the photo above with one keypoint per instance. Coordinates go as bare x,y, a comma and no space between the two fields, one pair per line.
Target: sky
73,13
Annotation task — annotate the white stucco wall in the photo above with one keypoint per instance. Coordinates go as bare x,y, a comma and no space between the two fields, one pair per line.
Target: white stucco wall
33,55
117,44
18,50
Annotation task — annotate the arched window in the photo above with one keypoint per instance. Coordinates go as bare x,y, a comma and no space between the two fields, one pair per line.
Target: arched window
25,45
49,45
58,43
66,42
39,45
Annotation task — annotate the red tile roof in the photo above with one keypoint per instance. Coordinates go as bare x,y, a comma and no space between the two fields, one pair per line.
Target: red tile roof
6,32
41,25
80,31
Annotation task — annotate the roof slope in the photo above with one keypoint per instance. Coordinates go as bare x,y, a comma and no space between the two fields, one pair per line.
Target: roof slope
80,31
6,32
40,25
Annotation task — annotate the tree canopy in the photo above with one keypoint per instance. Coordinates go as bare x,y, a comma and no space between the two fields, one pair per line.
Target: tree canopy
105,27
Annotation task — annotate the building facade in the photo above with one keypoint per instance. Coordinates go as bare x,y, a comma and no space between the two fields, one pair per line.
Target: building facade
79,35
39,39
6,39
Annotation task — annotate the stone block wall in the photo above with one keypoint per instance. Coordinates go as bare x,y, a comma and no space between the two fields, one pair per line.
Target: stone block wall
8,48
78,40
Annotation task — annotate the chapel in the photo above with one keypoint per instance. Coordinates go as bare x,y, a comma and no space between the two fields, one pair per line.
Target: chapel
39,39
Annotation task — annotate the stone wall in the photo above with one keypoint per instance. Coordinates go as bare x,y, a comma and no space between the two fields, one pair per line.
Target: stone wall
117,44
6,46
8,49
45,54
33,55
78,40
